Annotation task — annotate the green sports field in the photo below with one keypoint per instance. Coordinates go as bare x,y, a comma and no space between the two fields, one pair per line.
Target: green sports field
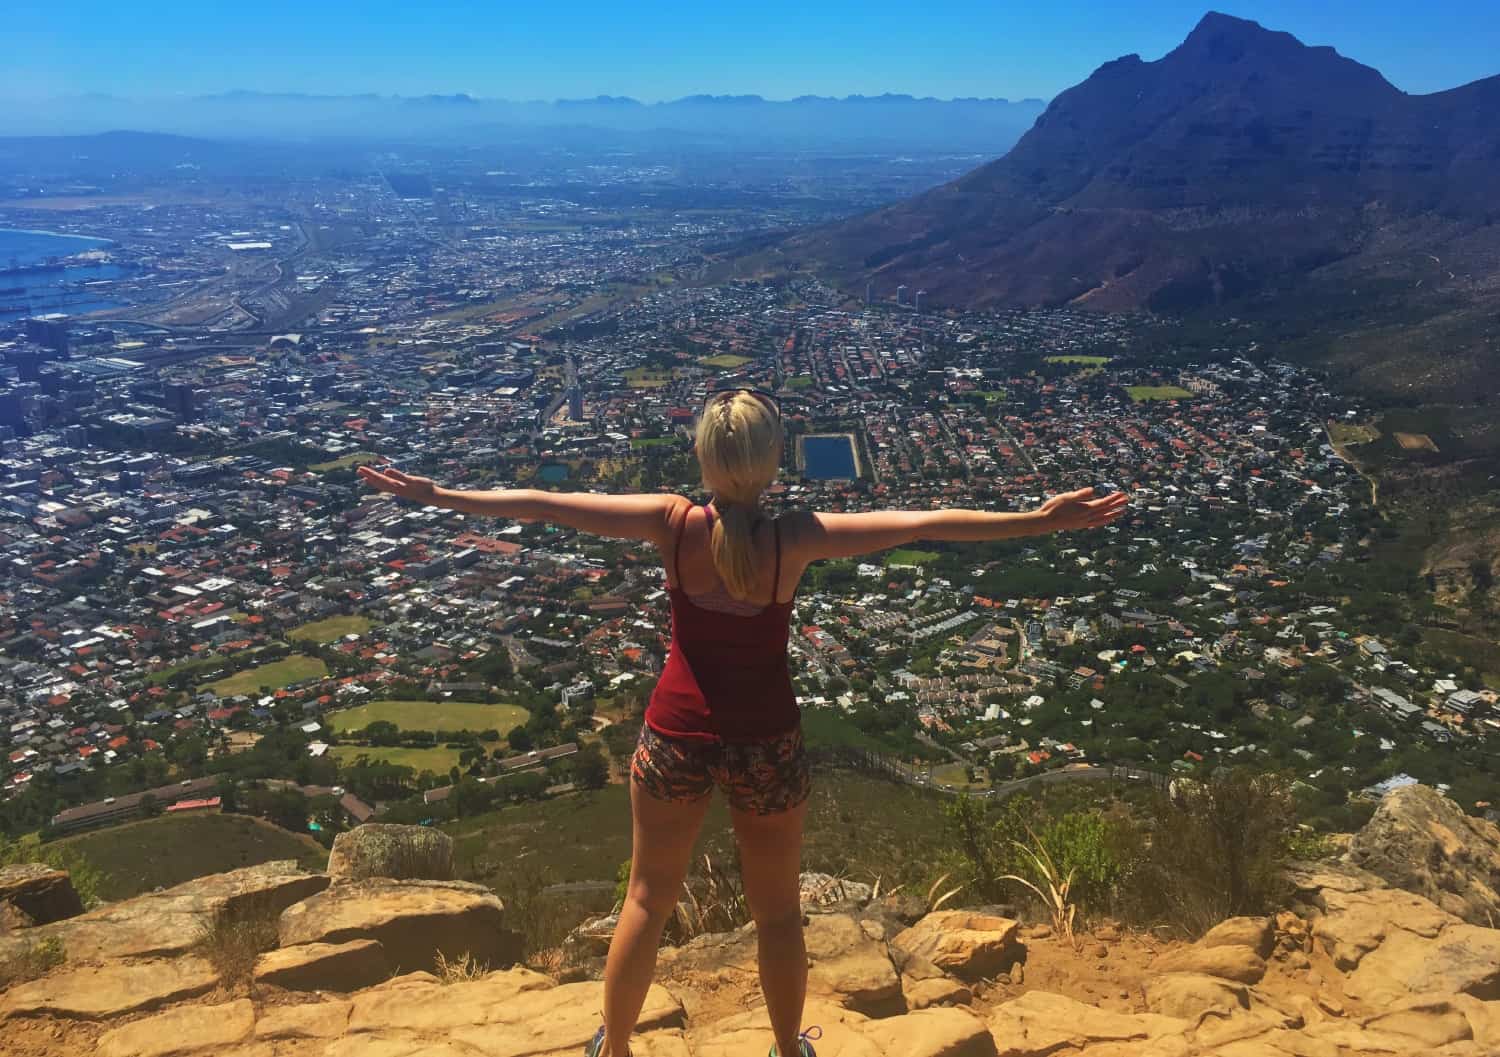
330,630
1142,393
431,715
727,361
437,759
275,675
908,556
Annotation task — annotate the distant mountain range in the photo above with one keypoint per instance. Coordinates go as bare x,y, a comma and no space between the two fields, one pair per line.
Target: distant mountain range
1241,170
888,122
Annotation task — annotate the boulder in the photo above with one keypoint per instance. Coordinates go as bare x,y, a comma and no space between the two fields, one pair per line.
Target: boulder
1259,934
189,1029
821,891
933,1033
962,942
924,984
905,907
403,853
413,920
846,965
1461,960
168,922
36,894
103,992
324,966
849,966
1421,841
1233,962
1189,995
1040,1023
315,1020
590,939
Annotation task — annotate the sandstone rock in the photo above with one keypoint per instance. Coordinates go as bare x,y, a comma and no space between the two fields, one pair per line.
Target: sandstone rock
933,1033
399,852
937,991
1039,932
1018,974
315,1020
324,966
168,922
1423,842
590,939
824,891
963,942
1039,1023
845,964
1234,962
1188,996
850,967
1256,933
1101,950
188,1029
100,992
1462,959
1297,961
905,907
504,1014
37,894
1428,1020
413,920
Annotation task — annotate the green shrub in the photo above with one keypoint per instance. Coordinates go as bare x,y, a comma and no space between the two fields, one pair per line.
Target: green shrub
29,848
32,961
1214,849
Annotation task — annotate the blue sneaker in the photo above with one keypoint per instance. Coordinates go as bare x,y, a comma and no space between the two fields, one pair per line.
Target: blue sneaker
596,1044
804,1043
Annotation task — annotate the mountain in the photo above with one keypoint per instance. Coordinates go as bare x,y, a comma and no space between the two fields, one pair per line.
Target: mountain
1233,171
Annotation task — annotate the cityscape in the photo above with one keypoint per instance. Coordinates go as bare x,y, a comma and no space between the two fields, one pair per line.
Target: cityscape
193,567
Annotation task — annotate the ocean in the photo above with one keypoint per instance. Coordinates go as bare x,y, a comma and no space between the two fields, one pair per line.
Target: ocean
71,289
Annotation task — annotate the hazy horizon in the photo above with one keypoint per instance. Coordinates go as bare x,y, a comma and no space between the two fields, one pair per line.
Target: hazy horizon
967,50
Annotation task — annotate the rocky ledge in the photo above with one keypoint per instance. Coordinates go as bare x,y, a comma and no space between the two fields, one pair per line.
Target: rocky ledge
363,964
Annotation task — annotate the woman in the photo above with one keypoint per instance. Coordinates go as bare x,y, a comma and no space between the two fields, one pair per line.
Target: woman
723,712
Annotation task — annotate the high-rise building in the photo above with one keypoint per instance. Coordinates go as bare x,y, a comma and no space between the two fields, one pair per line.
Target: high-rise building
901,294
50,332
917,301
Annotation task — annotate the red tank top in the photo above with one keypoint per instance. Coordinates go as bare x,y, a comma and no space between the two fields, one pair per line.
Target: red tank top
726,676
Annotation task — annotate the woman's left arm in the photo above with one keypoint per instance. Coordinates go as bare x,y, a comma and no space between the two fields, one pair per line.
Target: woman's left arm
641,516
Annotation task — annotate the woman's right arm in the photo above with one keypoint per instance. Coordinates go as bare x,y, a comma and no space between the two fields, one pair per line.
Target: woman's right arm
846,535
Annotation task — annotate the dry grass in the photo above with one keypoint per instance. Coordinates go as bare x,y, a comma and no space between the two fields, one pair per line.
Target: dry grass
234,938
458,970
713,901
33,961
1415,442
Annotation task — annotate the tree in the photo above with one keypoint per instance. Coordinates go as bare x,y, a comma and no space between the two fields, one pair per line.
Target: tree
149,806
591,769
520,739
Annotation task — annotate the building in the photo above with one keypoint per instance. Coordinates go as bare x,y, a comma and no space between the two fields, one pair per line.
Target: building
50,332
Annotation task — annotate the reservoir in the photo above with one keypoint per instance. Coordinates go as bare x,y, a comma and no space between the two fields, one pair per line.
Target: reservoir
553,472
828,457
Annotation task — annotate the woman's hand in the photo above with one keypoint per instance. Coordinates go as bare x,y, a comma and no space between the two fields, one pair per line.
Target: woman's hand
1076,510
390,479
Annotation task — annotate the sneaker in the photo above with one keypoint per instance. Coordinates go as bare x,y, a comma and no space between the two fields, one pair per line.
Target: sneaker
596,1044
804,1043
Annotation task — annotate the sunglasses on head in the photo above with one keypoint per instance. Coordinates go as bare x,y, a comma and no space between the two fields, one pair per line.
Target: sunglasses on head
760,394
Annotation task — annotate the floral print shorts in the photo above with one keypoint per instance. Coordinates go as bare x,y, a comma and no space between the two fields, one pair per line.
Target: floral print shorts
762,777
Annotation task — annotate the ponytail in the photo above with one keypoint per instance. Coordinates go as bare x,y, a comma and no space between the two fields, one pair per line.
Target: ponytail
734,559
739,444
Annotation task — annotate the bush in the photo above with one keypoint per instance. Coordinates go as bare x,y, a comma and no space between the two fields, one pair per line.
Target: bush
236,936
1213,850
85,877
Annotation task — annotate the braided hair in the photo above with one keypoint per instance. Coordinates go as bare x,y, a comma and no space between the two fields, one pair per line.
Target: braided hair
739,444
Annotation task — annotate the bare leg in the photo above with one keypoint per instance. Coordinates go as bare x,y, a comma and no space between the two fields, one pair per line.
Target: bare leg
770,861
663,832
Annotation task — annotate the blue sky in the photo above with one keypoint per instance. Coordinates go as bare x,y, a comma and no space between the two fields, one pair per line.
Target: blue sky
575,48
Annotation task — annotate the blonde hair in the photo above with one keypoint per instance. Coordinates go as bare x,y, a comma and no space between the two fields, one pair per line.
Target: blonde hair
739,442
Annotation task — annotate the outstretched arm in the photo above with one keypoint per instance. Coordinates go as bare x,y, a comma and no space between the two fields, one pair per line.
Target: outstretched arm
846,535
641,517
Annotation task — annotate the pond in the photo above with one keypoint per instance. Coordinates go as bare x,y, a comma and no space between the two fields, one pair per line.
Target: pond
553,472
